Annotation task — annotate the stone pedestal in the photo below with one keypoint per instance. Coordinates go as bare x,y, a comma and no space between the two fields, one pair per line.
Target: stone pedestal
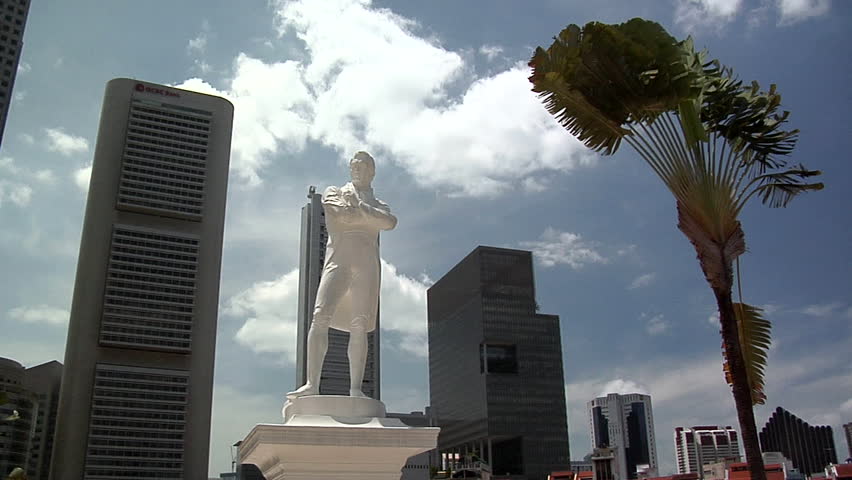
331,437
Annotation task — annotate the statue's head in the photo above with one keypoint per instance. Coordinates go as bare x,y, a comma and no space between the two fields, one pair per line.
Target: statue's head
362,169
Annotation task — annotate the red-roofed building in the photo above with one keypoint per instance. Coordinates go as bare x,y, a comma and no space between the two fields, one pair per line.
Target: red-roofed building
679,476
841,471
739,471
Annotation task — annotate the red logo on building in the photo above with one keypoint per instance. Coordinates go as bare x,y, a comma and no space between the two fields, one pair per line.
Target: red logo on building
159,91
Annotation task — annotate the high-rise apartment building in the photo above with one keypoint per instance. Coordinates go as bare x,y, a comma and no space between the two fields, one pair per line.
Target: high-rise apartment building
16,436
703,445
27,442
13,19
334,379
625,423
43,381
495,366
810,448
138,380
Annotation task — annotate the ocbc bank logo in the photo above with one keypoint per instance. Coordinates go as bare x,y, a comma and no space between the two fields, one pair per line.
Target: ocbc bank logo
140,87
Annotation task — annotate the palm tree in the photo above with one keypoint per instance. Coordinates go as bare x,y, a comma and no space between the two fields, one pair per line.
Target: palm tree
715,142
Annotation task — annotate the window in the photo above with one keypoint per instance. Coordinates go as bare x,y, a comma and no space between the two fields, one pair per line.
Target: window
498,358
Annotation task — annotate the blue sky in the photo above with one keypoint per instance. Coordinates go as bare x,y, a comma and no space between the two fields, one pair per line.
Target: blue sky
466,155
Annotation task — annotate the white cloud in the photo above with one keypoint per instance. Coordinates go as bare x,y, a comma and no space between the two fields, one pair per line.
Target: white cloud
822,309
269,309
656,325
19,96
20,194
82,176
64,143
534,184
563,248
39,314
693,14
642,281
403,310
45,176
24,67
794,11
266,113
197,44
490,51
621,387
370,83
714,320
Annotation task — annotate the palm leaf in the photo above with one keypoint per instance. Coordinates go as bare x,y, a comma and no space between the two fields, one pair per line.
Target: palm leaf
754,334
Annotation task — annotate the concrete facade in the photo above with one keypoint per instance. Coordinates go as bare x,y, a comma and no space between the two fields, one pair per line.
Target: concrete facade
137,387
625,423
703,445
44,382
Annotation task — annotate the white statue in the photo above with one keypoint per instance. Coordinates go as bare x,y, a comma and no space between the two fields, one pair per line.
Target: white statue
348,294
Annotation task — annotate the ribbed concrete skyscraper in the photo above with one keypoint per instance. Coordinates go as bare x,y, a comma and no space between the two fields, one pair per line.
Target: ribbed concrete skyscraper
334,379
138,379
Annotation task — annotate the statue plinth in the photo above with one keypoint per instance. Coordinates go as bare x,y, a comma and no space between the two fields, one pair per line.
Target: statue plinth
335,437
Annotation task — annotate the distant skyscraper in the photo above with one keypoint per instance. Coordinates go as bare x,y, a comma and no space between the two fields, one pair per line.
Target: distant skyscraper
138,379
43,381
699,446
495,366
13,19
16,436
625,423
847,429
334,379
810,449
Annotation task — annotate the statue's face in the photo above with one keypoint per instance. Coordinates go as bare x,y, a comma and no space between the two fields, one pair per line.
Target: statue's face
361,172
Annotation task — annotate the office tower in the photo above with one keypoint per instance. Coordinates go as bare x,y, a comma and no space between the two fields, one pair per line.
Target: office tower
626,424
15,436
847,429
138,379
495,366
334,379
13,19
43,382
699,446
810,448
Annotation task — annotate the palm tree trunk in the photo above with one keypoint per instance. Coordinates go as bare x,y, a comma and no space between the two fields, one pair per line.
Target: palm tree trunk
739,382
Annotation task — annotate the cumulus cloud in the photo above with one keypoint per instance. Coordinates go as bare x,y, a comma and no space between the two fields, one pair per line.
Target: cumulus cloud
15,184
64,143
563,248
642,281
490,51
82,176
39,314
269,309
794,11
370,82
656,325
694,14
713,319
24,68
822,309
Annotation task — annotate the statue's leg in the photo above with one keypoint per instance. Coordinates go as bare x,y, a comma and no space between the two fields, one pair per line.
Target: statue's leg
333,285
317,348
357,355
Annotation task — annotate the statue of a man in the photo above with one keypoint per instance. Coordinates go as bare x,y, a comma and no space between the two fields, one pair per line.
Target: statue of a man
348,294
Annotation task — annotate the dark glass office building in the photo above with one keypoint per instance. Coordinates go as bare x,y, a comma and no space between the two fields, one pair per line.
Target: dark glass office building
810,448
495,366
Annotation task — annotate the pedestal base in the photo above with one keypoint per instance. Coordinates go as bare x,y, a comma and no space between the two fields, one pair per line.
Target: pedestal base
317,444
